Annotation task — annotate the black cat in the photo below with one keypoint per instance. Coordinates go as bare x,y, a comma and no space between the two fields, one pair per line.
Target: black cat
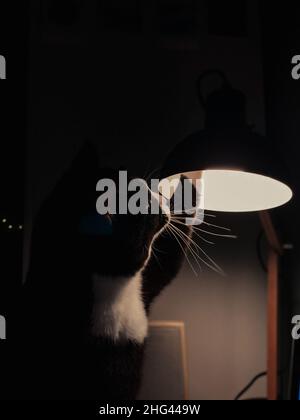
88,291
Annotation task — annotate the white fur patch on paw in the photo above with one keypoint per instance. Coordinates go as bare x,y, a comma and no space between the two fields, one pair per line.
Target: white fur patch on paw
118,310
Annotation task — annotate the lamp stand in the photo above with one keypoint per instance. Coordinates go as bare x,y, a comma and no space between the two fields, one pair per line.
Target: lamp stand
275,251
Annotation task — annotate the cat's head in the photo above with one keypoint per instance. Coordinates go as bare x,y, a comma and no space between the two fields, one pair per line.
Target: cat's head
120,244
110,244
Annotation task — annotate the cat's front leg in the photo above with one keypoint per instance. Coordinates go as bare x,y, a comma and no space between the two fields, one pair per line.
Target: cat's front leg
118,311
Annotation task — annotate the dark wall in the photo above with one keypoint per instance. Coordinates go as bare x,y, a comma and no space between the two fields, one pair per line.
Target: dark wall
281,36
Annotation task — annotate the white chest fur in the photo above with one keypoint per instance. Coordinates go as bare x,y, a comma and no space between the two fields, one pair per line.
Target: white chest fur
118,310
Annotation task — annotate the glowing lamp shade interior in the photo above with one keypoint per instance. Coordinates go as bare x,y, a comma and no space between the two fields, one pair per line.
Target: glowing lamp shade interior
239,191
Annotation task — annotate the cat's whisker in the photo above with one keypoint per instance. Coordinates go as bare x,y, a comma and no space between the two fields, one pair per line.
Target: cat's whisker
188,245
196,228
183,250
214,265
216,226
202,238
170,230
155,256
187,239
203,222
158,250
216,234
195,233
191,248
183,216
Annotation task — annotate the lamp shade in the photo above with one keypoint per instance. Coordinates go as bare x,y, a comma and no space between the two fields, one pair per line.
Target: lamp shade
241,170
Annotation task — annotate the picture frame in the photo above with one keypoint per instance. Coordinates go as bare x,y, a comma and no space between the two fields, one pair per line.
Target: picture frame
165,371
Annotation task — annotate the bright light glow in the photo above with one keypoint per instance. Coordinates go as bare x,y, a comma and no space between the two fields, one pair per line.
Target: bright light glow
238,191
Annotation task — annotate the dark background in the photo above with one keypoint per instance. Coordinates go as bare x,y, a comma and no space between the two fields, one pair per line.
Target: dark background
14,136
122,74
